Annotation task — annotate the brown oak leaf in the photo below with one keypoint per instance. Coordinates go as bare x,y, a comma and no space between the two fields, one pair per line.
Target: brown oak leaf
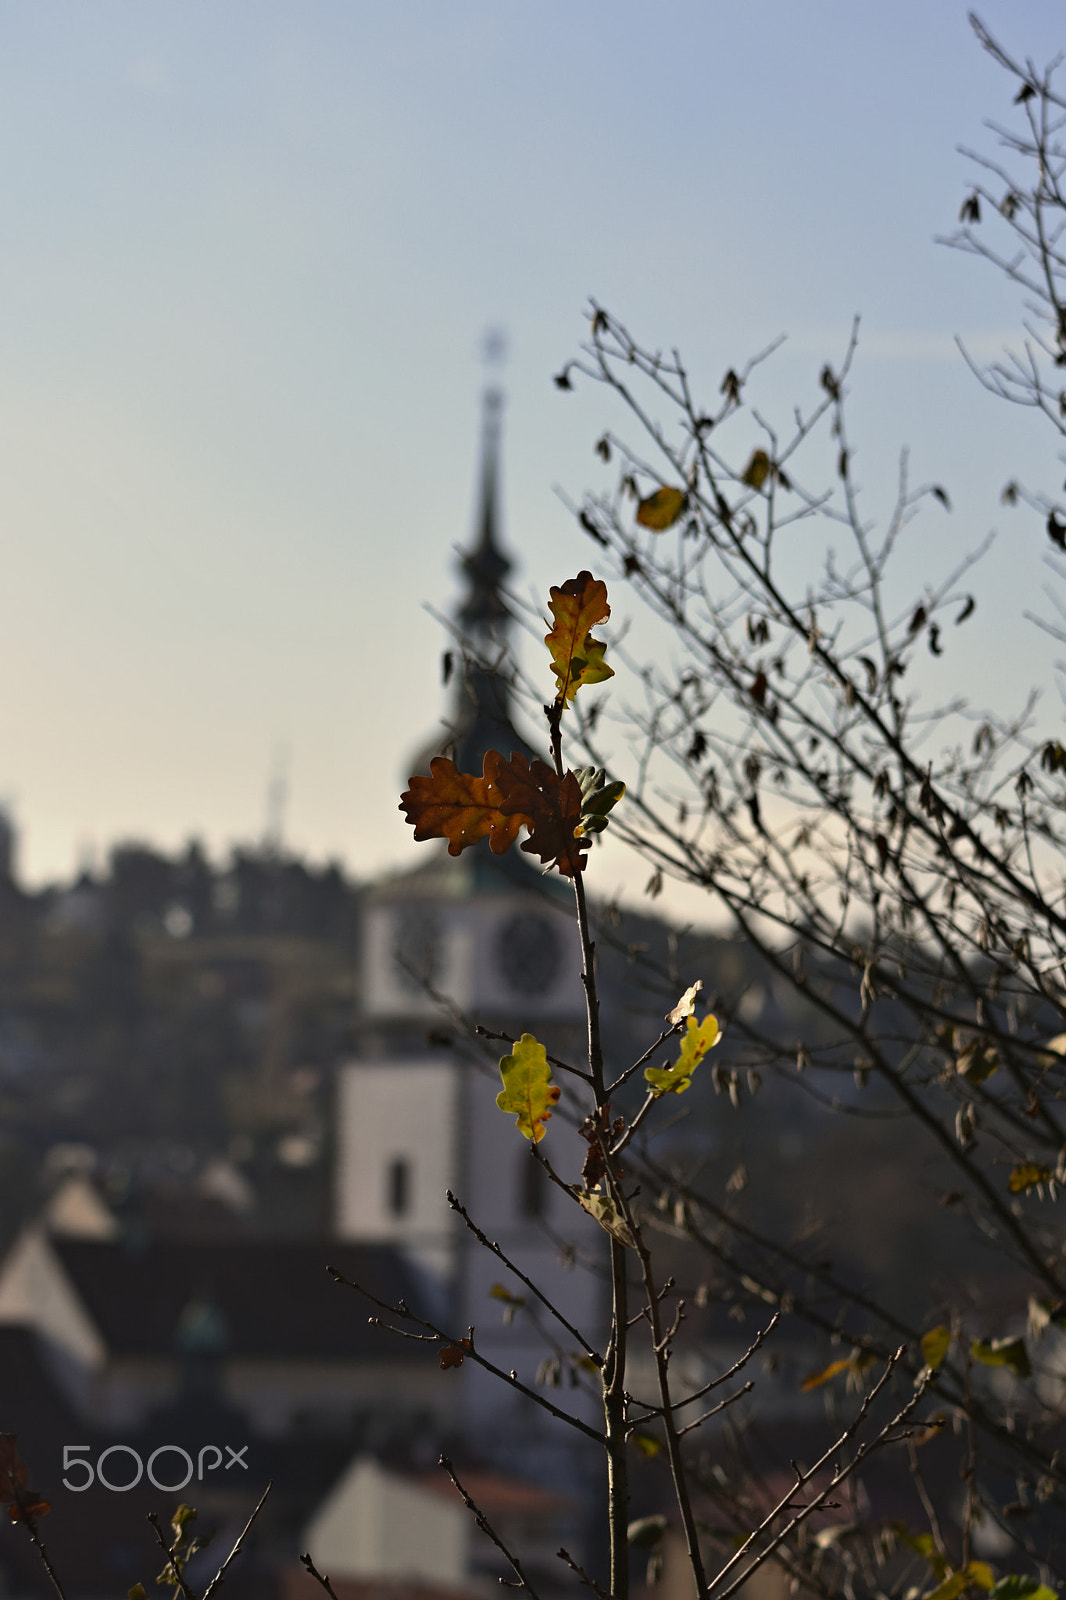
23,1504
453,1354
460,807
549,806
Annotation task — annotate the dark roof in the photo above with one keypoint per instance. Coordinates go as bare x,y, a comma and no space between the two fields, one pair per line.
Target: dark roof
274,1297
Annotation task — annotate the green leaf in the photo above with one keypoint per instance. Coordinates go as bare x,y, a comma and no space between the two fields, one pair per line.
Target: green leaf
975,1574
935,1345
646,1443
1009,1353
527,1087
1016,1587
950,1586
598,796
699,1038
138,1592
980,1573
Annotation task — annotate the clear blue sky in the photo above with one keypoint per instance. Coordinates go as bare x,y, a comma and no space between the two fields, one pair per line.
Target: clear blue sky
247,252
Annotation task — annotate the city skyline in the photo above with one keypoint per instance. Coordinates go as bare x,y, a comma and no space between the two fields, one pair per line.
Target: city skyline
249,261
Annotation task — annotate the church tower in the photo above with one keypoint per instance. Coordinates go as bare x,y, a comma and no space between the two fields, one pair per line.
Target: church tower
452,942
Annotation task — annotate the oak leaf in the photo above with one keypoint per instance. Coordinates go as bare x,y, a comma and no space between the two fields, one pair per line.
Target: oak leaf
661,510
453,1354
550,806
510,794
699,1037
23,1504
578,606
527,1087
461,807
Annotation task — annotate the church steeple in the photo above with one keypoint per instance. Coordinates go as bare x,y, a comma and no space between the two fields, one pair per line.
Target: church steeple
479,716
482,610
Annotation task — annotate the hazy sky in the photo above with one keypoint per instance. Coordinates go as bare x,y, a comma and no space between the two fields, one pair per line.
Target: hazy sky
247,254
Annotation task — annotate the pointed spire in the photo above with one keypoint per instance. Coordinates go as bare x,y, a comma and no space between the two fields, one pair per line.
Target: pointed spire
480,713
485,567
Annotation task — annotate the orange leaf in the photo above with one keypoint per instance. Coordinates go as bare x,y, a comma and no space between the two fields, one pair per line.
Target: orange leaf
550,807
460,807
816,1379
578,606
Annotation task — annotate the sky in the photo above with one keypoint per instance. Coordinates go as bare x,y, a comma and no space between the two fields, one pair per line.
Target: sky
248,254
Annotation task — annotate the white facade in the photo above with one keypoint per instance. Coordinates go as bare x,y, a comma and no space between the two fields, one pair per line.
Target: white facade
412,1126
377,1524
398,1156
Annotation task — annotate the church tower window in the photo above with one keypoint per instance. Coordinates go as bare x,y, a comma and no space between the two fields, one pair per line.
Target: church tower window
398,1187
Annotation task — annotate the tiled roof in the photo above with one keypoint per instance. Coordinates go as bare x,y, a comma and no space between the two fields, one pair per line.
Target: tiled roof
275,1298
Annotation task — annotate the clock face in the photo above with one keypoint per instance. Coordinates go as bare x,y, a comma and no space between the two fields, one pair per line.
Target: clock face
417,950
528,955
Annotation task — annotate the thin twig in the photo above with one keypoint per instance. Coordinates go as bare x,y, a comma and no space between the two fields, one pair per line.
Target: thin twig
483,1523
491,1244
319,1577
173,1561
35,1540
470,1353
575,1566
221,1573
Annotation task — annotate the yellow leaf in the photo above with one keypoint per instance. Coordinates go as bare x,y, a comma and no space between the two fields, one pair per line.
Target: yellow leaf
1026,1176
577,606
646,1443
607,1214
833,1370
527,1087
925,1545
935,1346
951,1586
980,1572
757,470
661,510
698,1039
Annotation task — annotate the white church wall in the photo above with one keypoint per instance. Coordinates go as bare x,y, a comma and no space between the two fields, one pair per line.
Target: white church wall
396,1155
